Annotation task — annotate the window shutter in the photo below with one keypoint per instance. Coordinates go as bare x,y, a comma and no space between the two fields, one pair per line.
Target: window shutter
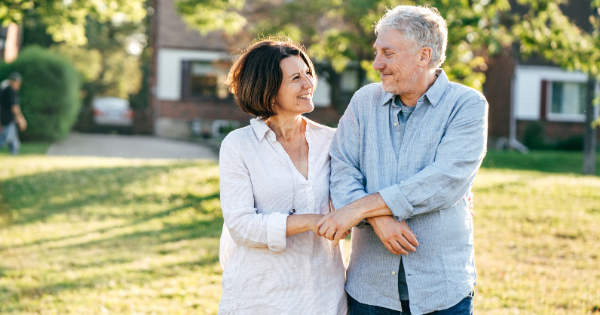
544,100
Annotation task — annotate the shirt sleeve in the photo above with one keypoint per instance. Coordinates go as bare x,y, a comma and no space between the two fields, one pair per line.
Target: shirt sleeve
246,225
13,97
458,158
347,183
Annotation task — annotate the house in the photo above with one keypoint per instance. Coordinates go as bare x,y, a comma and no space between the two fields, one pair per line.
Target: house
522,92
189,95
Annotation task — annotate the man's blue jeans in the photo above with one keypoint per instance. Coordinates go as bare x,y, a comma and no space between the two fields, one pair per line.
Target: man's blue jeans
464,307
9,134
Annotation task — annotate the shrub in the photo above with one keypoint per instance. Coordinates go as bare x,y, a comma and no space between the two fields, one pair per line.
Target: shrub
49,94
533,136
573,143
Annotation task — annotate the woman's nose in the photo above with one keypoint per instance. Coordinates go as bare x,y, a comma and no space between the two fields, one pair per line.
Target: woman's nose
309,82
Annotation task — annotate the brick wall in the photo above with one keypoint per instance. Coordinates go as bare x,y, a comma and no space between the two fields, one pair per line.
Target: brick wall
228,110
555,130
497,90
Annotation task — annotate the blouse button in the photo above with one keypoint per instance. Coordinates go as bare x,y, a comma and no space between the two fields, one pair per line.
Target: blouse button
393,273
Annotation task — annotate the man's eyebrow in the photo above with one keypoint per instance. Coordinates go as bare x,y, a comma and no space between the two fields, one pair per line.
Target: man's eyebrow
383,48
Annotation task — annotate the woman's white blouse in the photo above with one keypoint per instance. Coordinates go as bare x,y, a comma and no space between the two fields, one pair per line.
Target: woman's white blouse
265,272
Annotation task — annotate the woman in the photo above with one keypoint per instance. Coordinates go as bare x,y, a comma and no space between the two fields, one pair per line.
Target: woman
274,188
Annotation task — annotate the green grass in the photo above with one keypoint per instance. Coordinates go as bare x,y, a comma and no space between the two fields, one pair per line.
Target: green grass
29,148
544,161
90,236
101,235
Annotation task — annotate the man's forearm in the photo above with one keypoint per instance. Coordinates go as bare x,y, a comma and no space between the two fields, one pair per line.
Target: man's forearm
371,206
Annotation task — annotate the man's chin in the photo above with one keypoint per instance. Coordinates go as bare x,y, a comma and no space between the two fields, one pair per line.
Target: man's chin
389,88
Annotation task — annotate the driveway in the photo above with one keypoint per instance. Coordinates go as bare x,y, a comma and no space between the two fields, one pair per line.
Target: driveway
139,147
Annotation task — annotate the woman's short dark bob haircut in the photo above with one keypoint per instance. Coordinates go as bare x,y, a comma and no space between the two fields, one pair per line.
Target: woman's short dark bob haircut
255,78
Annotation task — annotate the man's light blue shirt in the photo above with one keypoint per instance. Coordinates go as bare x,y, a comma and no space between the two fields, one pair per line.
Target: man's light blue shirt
443,145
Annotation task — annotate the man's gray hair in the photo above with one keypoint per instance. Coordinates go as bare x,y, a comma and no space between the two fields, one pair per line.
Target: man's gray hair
424,26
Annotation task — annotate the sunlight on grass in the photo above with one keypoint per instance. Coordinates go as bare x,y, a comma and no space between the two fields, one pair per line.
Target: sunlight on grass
93,236
118,236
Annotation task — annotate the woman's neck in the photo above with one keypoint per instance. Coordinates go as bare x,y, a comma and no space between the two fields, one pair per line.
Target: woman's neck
286,127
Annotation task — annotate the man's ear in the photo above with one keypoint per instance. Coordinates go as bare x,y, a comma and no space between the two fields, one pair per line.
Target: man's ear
425,56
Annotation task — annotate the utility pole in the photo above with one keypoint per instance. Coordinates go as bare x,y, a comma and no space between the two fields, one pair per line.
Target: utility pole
589,138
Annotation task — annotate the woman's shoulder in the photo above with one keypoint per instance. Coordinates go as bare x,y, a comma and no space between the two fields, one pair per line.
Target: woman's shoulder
320,128
238,137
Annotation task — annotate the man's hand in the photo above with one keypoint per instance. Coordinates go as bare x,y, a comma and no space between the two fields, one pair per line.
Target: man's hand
22,123
396,236
336,225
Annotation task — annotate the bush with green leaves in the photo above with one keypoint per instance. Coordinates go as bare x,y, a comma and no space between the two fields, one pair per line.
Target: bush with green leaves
49,94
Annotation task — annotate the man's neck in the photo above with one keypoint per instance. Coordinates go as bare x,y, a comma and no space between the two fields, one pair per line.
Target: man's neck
421,87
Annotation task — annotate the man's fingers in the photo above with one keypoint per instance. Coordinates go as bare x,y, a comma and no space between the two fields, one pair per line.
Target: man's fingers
398,248
319,224
410,237
335,243
329,234
390,248
406,244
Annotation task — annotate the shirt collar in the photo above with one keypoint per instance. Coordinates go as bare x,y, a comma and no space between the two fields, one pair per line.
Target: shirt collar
434,93
261,128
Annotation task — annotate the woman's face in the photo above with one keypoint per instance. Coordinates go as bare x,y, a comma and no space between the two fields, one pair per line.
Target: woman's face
297,88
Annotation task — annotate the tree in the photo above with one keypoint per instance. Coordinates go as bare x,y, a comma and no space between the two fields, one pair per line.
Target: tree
339,34
65,20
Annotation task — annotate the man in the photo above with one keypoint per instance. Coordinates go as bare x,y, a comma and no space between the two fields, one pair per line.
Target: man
403,160
10,114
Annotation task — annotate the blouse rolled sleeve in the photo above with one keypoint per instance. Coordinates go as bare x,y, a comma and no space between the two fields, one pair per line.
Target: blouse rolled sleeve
246,225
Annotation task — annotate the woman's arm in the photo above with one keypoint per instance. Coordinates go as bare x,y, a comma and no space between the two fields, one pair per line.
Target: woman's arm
246,225
300,223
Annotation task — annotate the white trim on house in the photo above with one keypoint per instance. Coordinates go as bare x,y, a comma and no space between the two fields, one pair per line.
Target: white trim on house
528,87
169,69
169,74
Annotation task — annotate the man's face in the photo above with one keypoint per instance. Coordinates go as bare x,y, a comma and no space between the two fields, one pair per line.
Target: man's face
16,85
397,61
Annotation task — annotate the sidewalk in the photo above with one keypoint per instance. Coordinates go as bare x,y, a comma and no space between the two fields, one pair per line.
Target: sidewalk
140,147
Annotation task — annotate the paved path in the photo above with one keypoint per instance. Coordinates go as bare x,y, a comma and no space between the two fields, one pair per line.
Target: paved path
141,147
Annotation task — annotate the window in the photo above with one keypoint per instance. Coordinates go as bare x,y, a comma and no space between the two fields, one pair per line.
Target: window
567,100
204,79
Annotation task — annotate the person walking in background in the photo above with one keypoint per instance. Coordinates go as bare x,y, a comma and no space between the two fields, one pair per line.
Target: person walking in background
11,116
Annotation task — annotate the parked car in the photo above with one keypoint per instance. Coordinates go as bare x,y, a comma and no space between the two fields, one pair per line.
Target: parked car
113,113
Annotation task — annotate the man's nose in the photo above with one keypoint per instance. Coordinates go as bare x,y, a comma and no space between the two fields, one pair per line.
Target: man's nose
377,64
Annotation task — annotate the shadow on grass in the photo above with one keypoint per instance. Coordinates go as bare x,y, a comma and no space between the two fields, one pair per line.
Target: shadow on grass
36,197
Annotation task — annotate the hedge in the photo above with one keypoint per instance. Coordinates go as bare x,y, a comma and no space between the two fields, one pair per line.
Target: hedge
50,98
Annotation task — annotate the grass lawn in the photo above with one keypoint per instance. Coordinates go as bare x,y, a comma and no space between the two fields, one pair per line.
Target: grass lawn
116,236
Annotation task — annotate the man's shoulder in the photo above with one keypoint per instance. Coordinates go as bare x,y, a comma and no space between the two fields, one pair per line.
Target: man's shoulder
465,94
368,96
373,89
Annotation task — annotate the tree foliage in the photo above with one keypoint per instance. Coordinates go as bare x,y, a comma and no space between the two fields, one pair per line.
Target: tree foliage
339,34
66,19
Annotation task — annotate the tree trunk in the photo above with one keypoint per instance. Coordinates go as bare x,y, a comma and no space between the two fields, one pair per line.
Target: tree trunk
589,145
